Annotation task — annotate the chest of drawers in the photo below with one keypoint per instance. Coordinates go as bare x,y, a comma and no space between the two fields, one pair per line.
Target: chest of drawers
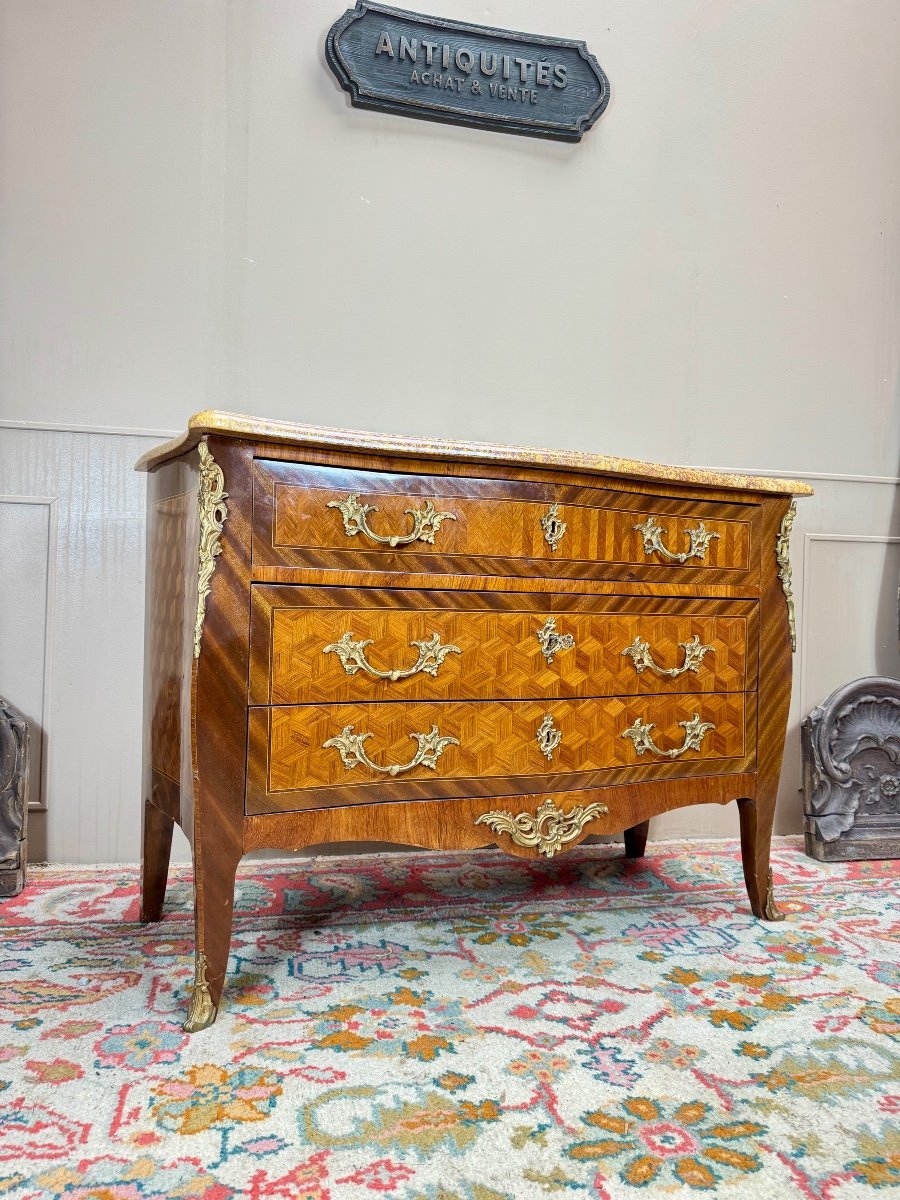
366,638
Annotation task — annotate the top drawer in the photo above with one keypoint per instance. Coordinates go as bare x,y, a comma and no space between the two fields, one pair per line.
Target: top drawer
378,521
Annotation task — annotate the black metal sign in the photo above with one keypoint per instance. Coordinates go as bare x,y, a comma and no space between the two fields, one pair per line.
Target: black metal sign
403,62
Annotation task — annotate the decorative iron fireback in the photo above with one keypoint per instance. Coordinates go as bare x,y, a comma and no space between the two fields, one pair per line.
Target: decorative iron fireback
851,772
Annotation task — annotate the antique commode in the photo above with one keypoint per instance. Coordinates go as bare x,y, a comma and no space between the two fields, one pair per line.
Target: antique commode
359,637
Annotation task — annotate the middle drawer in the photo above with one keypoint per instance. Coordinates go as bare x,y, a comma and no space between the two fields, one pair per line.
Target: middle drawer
315,645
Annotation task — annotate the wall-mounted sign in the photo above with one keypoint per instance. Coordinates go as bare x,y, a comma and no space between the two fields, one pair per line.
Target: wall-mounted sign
403,62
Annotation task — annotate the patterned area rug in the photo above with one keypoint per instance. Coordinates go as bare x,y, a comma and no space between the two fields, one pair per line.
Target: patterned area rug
459,1027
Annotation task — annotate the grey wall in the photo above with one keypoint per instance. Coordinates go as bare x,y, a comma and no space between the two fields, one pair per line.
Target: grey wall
192,216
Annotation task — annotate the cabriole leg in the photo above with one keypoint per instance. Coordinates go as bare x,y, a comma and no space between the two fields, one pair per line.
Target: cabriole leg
214,874
155,853
756,838
636,840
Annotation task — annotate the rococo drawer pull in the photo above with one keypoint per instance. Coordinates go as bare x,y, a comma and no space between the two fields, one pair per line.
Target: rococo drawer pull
549,829
426,521
548,736
694,733
350,747
553,526
353,657
551,641
653,535
694,650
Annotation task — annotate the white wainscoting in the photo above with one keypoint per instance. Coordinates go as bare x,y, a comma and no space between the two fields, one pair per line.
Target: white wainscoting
72,524
27,587
71,644
855,621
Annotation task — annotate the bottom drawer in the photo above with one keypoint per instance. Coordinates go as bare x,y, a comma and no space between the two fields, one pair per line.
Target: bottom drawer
309,756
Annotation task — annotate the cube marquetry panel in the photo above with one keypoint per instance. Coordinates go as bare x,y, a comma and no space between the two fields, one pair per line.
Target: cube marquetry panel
500,653
495,739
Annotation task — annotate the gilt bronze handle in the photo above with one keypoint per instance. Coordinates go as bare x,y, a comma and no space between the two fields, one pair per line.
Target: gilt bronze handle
694,732
353,657
352,751
426,521
694,650
653,535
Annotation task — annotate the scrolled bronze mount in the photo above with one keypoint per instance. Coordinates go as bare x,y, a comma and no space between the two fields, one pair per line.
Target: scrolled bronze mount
548,830
695,731
551,642
426,521
352,751
653,534
353,657
640,653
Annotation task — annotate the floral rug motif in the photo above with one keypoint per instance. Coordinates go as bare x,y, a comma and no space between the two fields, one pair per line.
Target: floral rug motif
459,1027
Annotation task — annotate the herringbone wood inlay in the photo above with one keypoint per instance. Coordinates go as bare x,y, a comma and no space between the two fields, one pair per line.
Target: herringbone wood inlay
493,520
495,738
502,528
500,655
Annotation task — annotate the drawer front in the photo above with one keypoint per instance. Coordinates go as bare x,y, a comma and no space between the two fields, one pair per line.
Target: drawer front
315,646
343,749
400,522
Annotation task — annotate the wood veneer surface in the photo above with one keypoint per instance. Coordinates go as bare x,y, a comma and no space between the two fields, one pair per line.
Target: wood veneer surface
235,738
497,651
